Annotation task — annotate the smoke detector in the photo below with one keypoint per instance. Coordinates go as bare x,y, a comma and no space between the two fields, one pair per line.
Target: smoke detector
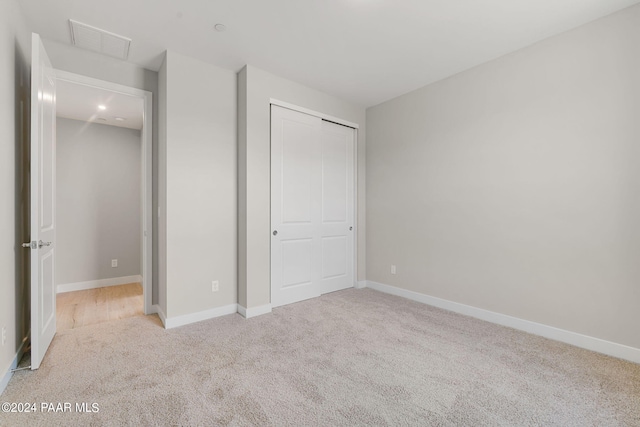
97,40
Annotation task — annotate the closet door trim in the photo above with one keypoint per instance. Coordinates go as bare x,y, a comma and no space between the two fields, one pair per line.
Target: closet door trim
355,127
315,113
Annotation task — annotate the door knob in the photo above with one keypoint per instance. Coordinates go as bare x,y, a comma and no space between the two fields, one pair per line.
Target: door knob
275,232
41,244
29,245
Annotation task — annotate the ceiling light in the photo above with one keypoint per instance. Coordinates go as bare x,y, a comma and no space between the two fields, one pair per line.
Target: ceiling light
102,107
220,27
120,119
102,119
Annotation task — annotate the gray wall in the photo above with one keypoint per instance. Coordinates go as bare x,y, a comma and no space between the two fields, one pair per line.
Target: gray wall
69,58
199,152
514,186
257,88
15,60
98,201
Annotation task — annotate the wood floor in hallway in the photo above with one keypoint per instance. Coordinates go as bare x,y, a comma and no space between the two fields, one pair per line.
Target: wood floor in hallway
81,308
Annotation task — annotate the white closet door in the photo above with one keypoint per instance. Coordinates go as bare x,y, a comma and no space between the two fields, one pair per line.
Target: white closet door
312,206
337,228
295,206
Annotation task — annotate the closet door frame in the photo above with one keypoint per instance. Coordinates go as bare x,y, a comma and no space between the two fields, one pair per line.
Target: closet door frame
355,127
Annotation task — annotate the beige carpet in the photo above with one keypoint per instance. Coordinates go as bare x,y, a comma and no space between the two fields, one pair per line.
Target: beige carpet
356,357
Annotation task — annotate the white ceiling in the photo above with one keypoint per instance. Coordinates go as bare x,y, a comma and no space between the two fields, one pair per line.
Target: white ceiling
80,102
365,51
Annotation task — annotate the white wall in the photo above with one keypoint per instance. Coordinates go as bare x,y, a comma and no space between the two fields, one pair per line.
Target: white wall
160,241
199,149
91,64
257,88
515,187
98,201
15,60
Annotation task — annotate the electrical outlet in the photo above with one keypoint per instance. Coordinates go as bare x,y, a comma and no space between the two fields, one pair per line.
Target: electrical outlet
4,335
393,269
215,286
114,263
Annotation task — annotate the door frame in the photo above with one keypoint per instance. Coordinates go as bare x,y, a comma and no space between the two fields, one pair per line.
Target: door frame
342,122
147,177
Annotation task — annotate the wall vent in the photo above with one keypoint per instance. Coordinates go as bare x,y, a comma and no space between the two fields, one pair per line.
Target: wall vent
97,40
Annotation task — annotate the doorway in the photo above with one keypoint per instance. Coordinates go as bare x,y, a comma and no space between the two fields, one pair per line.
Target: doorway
42,197
103,201
312,206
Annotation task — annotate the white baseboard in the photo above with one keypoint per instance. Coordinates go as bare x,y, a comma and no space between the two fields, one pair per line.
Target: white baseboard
4,382
361,284
174,322
248,313
161,315
153,309
579,340
101,283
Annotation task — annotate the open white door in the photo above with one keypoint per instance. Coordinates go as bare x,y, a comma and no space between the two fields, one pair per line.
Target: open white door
43,219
